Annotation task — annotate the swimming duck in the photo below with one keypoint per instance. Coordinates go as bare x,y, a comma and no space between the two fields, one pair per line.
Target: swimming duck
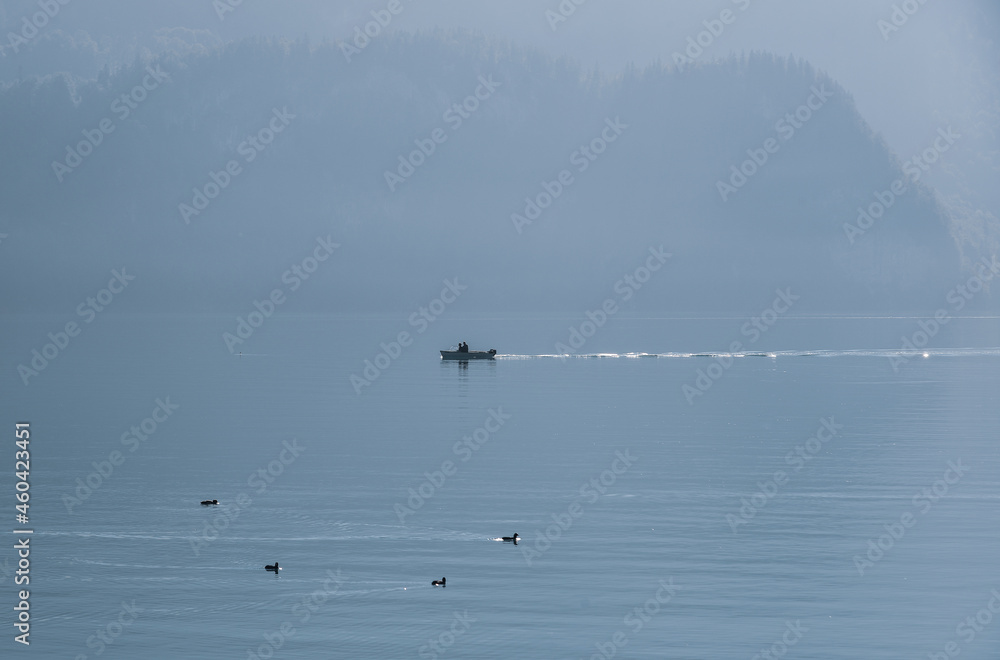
438,583
209,502
272,567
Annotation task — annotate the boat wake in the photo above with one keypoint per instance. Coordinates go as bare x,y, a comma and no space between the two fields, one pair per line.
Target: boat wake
853,352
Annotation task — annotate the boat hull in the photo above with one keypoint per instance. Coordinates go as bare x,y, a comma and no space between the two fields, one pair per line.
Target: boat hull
471,355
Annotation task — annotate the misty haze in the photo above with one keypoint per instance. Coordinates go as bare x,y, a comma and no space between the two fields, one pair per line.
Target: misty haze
557,329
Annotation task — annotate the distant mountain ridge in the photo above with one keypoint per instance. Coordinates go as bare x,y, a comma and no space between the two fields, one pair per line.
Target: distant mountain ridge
425,154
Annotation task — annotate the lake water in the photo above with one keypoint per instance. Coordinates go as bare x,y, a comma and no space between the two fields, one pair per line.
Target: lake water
652,527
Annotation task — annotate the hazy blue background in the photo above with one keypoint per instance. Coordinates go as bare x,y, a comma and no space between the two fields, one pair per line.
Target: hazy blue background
325,174
765,307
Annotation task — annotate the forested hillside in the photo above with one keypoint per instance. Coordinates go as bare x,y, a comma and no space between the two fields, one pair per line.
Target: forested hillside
505,166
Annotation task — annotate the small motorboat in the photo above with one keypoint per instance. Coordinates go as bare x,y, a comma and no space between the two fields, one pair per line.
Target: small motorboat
469,355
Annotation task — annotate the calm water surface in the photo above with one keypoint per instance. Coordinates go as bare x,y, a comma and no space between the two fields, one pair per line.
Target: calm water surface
318,477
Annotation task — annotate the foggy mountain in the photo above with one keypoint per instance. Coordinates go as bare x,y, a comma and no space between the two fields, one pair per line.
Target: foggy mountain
537,183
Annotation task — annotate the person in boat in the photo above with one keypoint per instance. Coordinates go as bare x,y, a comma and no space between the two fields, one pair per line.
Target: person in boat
463,347
272,567
209,502
439,583
508,539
